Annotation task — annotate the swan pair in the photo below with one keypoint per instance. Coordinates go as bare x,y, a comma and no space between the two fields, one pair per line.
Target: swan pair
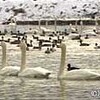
38,72
21,70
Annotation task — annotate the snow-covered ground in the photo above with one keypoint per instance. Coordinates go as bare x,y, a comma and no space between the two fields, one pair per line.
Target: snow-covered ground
35,9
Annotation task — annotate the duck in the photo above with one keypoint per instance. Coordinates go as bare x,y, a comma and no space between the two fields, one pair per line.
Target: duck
83,44
16,41
37,47
35,37
76,37
53,48
96,31
96,46
47,51
71,68
8,40
86,37
46,45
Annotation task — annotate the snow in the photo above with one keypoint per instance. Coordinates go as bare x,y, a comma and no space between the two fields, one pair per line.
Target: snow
36,9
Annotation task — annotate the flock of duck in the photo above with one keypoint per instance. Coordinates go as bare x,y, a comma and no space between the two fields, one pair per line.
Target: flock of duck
51,42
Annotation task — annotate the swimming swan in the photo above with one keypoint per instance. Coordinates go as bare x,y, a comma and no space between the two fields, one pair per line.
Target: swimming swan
80,74
36,72
7,70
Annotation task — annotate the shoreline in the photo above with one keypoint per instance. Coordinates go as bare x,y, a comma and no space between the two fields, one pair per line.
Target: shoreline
58,22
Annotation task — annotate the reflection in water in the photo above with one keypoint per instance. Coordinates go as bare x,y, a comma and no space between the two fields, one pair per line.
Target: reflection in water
25,88
62,90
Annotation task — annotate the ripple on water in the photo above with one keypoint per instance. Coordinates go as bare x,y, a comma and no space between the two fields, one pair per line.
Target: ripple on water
18,88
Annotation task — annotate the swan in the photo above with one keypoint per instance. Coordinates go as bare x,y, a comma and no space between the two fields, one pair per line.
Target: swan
37,72
83,44
80,74
7,70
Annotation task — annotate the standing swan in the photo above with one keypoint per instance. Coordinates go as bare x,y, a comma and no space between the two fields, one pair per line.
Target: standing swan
7,70
36,72
80,74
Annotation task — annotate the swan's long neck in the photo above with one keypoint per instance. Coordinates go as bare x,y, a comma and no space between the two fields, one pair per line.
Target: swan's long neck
3,45
23,55
63,58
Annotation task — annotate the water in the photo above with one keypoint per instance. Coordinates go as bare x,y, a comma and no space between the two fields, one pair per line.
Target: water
18,88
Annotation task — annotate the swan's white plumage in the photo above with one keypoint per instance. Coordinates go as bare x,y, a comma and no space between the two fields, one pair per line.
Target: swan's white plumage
37,72
42,70
81,74
78,74
7,70
10,70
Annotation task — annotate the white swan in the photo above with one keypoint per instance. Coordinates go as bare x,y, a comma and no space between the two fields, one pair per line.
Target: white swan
80,74
7,70
36,72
